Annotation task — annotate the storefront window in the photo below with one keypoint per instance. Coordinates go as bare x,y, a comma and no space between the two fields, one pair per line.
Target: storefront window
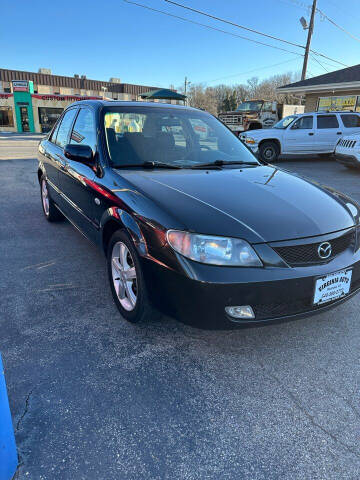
48,117
6,117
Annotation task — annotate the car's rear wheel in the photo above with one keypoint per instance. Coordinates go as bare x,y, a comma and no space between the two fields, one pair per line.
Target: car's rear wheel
269,151
127,280
52,214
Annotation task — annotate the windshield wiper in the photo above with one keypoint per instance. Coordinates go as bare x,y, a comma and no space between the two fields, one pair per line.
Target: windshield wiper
148,165
220,163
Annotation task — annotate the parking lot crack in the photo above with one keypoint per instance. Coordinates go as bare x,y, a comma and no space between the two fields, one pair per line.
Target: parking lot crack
17,428
308,415
26,409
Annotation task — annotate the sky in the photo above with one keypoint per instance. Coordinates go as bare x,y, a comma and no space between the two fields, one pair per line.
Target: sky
103,39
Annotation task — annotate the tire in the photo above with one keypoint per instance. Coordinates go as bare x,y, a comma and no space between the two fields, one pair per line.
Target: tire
269,152
52,214
130,297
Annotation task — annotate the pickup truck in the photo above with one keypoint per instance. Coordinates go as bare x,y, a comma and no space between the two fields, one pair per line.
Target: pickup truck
256,114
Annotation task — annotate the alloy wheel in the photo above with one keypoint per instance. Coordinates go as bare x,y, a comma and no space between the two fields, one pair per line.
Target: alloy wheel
124,276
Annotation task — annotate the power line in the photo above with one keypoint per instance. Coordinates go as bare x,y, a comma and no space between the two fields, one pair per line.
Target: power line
328,58
240,26
338,26
162,12
249,71
233,24
211,28
321,65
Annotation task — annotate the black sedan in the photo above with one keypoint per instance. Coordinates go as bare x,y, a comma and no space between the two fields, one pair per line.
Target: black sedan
191,223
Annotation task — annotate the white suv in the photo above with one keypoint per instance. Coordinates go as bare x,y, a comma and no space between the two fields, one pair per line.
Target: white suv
347,151
307,133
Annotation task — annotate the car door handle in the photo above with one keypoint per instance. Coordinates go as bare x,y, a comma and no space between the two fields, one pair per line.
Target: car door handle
338,133
311,133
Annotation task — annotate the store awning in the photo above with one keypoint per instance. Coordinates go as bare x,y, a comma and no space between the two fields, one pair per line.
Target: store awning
163,94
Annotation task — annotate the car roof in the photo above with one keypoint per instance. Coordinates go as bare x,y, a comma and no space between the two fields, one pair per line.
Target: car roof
118,103
330,112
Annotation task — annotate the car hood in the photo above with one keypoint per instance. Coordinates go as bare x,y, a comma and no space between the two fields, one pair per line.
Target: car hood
264,133
259,204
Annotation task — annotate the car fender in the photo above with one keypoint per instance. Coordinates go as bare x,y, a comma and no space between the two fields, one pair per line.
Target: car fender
271,139
41,170
116,218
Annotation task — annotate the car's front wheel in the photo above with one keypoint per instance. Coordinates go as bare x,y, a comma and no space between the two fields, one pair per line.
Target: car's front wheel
51,213
269,151
127,280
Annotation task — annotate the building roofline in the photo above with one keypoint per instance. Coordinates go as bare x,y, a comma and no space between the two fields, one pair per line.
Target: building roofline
8,75
318,88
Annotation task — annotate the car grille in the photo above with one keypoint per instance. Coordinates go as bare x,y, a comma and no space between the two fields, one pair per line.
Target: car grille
304,305
347,143
296,255
231,119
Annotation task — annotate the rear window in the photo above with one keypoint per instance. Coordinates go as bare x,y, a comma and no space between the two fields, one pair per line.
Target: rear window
327,121
351,121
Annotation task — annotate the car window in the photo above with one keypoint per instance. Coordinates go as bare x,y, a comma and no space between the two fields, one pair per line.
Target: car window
303,123
171,125
64,128
351,121
84,130
284,122
183,138
267,107
206,136
54,133
327,121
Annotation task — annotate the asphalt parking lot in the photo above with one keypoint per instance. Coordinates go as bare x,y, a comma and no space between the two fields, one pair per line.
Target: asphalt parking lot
94,397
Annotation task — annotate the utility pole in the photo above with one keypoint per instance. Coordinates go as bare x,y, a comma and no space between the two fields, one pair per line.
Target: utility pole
186,83
308,43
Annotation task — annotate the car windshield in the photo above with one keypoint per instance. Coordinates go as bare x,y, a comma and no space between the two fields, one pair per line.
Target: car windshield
285,122
179,137
253,106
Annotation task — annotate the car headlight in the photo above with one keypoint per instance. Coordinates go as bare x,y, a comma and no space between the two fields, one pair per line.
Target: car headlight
250,141
213,250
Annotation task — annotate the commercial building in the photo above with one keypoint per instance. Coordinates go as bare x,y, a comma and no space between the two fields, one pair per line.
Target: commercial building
334,91
32,102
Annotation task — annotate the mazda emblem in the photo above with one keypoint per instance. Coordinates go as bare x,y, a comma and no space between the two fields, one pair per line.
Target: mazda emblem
324,250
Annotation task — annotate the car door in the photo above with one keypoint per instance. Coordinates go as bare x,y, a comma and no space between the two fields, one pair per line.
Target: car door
47,155
56,151
76,179
299,136
351,123
328,132
56,159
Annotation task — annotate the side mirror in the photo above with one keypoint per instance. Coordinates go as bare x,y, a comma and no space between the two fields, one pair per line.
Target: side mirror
80,153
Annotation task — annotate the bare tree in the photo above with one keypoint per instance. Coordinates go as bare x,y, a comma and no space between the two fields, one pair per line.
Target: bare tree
224,97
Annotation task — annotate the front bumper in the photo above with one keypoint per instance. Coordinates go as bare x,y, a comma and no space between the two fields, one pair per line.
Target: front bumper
253,147
275,294
348,159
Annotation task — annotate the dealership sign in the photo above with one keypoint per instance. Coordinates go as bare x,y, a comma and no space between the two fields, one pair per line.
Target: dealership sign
20,85
333,104
64,98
